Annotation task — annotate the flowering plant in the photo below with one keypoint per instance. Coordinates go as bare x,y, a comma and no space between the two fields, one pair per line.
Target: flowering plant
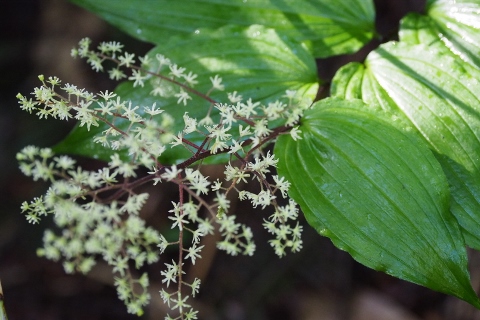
387,167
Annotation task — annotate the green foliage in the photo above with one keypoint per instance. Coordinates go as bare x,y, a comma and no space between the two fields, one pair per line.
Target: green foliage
3,313
451,27
436,95
378,193
333,27
267,64
388,167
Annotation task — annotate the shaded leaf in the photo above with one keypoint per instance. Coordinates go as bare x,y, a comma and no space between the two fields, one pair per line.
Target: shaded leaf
334,27
465,190
256,62
377,193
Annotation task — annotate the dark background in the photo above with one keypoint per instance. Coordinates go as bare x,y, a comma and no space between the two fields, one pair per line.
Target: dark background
320,282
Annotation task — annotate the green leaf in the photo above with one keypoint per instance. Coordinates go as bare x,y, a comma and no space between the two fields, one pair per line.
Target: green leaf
3,313
433,92
377,193
334,27
465,191
256,62
452,27
437,96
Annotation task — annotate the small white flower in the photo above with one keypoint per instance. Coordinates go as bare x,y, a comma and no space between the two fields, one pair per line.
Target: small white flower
236,147
193,253
217,185
195,286
246,109
176,71
127,59
282,184
190,124
207,121
217,83
162,60
244,131
138,78
177,140
295,133
171,173
261,128
163,244
233,97
178,216
182,96
153,110
64,162
116,74
290,94
190,79
145,60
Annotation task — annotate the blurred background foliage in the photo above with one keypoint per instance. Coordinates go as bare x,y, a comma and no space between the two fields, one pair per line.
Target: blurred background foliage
320,282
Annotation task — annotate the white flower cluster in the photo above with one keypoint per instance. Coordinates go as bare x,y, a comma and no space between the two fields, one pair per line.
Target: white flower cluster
286,236
89,227
140,133
98,212
176,83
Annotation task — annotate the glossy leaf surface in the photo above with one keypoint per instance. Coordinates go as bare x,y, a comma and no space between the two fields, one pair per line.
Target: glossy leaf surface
450,26
256,62
438,96
377,193
465,191
334,27
434,93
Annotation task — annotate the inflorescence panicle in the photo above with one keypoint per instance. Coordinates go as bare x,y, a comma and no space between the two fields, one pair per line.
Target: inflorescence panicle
98,212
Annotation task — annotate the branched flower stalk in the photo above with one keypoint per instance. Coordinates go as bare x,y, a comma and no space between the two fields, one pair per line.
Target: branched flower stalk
97,212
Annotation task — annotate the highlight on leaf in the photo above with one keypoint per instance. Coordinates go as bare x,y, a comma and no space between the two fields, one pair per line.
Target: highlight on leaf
387,166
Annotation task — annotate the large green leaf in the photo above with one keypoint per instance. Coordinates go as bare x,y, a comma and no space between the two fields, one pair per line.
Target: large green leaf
438,96
435,93
256,62
378,193
450,26
334,27
465,191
